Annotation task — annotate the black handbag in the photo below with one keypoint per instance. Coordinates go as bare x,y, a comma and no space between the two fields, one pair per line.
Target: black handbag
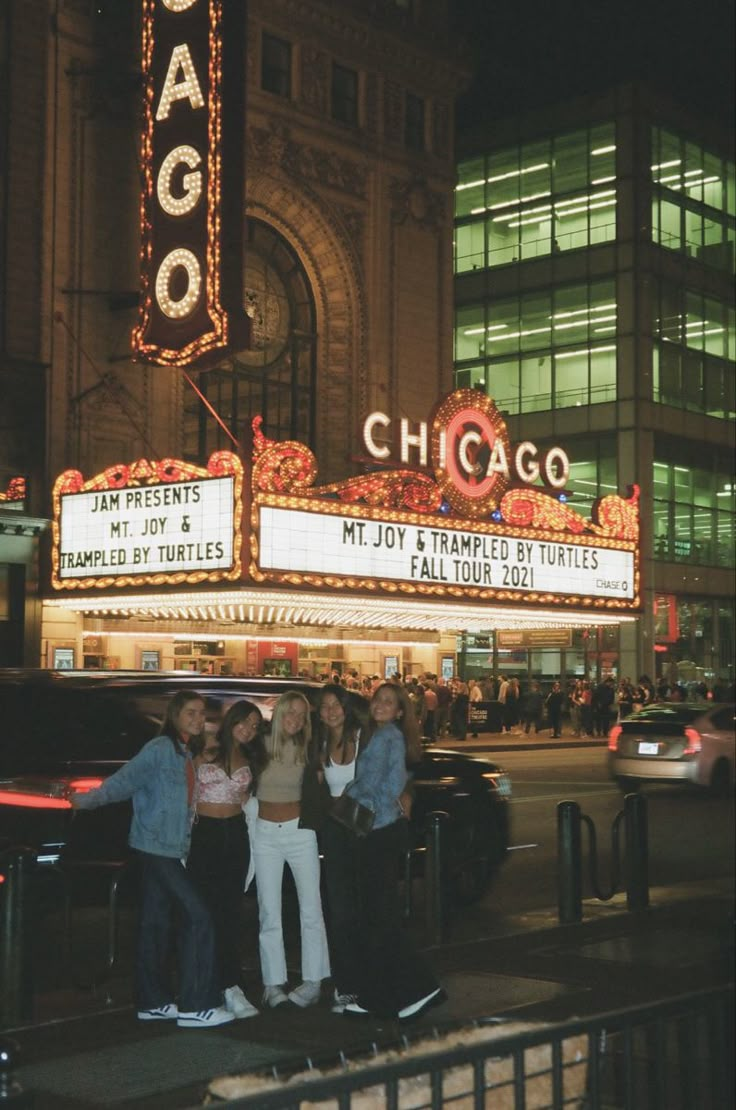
352,815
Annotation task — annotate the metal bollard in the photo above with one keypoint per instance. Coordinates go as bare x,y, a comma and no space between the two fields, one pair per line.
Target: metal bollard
16,978
636,860
569,864
433,876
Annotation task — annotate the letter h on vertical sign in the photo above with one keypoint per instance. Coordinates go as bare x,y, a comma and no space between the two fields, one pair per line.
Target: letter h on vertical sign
192,203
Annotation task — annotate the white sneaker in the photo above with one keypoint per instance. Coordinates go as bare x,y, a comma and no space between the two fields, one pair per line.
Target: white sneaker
202,1019
306,994
340,1001
414,1009
238,1004
273,997
168,1012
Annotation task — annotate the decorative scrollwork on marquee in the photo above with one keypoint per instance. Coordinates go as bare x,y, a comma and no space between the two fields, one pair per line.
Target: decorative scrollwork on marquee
290,467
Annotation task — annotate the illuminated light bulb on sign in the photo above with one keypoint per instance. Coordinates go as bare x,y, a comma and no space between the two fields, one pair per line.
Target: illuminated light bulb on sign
183,258
191,182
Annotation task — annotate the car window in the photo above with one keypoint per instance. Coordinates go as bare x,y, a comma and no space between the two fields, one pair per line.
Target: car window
669,712
54,726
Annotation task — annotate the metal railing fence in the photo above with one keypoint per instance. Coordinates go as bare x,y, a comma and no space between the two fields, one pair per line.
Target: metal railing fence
669,1055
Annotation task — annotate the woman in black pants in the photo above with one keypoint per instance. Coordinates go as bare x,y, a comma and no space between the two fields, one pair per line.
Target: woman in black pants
394,980
335,751
219,857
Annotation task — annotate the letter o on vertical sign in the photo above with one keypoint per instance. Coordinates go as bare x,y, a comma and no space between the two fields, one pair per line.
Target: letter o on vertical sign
176,308
470,452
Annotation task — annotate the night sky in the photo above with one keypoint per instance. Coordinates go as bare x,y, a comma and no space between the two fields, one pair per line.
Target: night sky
549,50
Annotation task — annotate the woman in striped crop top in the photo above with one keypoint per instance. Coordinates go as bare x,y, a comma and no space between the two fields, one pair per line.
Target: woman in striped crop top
220,853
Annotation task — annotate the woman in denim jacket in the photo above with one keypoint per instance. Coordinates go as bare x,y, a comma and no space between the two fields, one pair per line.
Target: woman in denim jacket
393,979
160,782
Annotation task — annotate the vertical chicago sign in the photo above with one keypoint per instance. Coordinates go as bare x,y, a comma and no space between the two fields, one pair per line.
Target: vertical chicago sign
183,314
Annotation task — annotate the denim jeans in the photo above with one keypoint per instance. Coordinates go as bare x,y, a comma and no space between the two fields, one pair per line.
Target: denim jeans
168,896
274,844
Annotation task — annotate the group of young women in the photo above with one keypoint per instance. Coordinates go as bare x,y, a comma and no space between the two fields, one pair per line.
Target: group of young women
209,814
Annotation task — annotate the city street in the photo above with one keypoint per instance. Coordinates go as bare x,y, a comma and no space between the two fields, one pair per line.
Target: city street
690,833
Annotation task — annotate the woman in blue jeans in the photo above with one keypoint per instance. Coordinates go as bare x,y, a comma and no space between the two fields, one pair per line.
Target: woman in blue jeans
393,979
160,782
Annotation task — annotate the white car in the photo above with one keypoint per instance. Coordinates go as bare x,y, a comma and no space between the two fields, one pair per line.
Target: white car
687,742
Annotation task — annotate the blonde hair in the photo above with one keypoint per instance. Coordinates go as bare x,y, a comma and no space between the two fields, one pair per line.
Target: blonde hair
278,742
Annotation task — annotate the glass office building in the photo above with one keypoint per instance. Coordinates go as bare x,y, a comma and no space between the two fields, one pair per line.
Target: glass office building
594,301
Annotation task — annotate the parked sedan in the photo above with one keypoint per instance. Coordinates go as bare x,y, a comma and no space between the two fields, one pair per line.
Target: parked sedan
678,742
66,731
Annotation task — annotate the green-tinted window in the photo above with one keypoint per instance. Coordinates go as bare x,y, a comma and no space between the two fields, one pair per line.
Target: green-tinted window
540,198
692,203
694,505
469,247
694,365
470,191
470,332
544,350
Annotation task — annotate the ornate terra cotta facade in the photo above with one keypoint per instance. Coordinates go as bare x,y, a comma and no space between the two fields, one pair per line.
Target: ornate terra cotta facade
347,264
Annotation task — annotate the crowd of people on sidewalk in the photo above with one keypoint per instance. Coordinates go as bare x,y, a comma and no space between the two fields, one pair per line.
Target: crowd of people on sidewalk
444,707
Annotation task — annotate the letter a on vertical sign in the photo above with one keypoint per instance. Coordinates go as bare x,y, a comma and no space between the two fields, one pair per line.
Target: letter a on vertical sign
182,317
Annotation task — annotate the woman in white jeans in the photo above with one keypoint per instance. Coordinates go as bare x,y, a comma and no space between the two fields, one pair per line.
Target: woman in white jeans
279,840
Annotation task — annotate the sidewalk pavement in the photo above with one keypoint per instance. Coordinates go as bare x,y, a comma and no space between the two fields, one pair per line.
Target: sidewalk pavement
85,1048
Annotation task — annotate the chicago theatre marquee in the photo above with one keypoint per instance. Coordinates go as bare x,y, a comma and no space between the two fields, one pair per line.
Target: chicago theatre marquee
450,529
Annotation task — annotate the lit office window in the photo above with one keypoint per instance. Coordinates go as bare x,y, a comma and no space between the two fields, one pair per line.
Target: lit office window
694,502
693,201
552,349
538,199
276,65
694,354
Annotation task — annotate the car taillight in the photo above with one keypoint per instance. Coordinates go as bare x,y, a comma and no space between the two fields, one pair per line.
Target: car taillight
29,800
54,794
694,743
83,786
613,736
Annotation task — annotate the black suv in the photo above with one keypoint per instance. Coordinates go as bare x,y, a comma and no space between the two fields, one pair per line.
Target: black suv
63,730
